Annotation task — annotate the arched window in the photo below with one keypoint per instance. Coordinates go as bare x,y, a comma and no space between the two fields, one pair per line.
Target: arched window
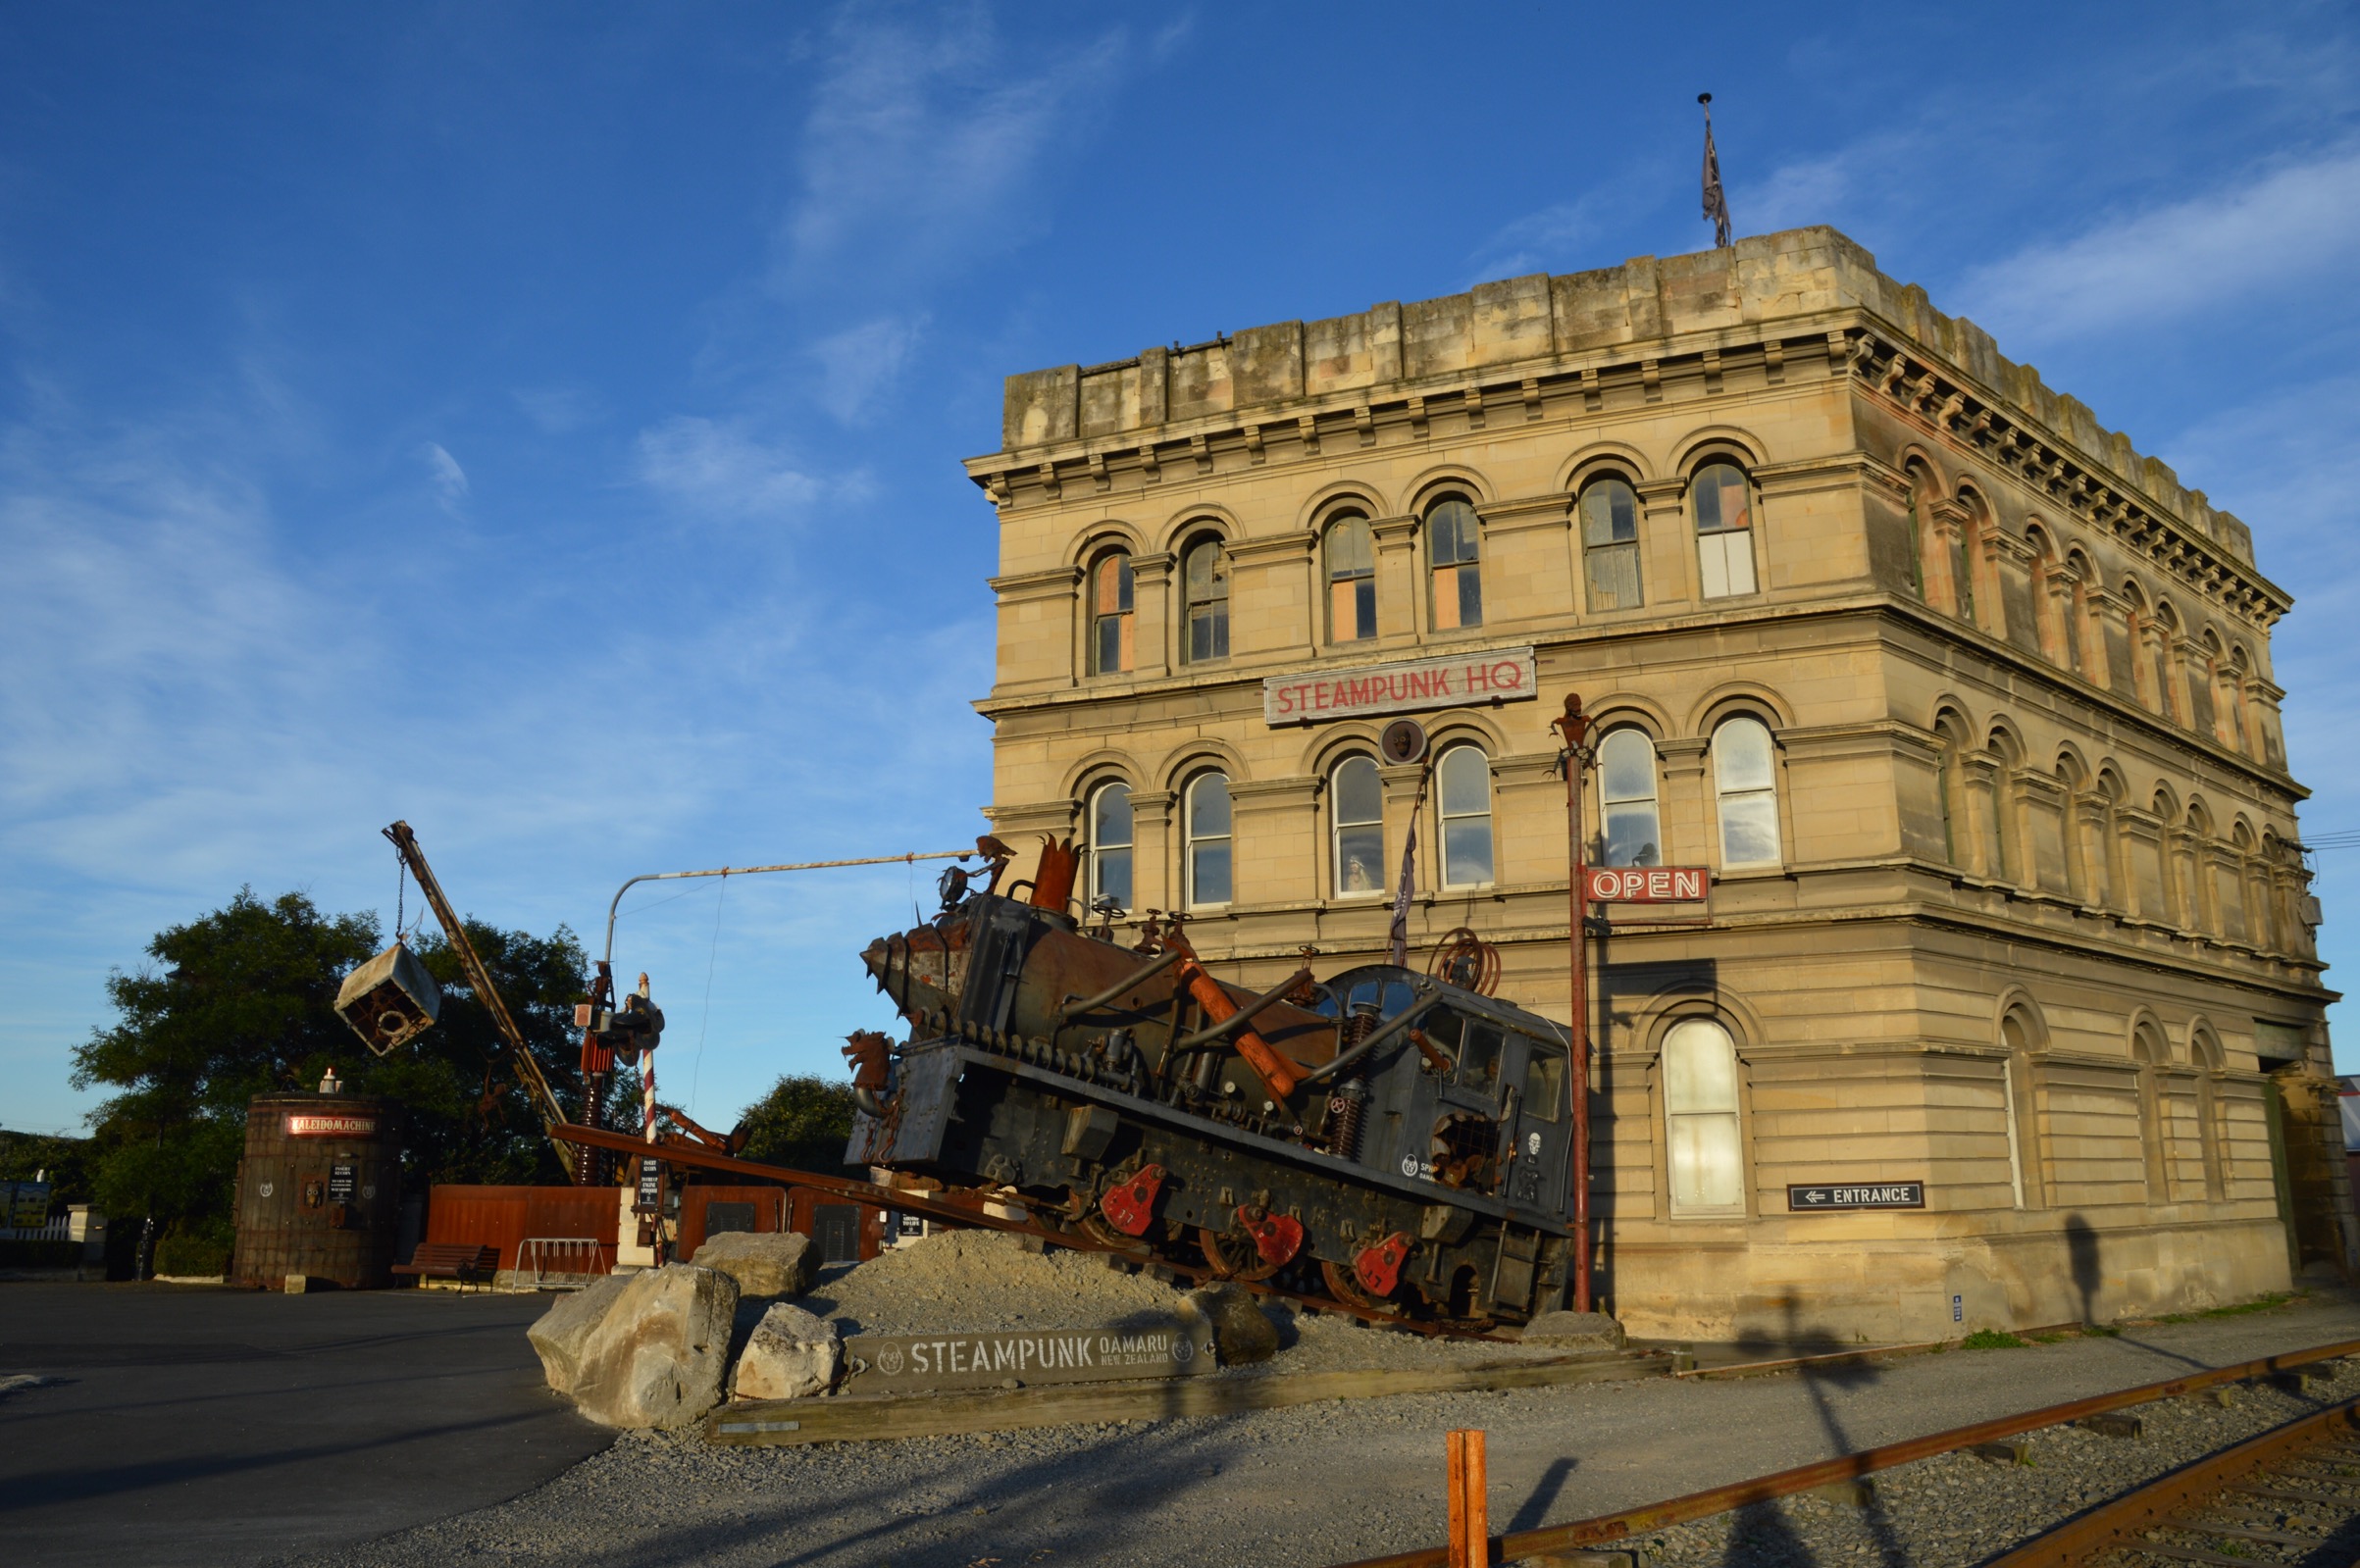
1357,803
1110,647
1632,832
1456,575
2205,1052
1206,833
1970,541
1999,840
2167,692
1921,524
2148,1051
1745,779
1610,544
1724,529
2023,1128
1950,746
2048,614
1465,774
1351,581
1110,844
1204,579
1703,1150
2241,722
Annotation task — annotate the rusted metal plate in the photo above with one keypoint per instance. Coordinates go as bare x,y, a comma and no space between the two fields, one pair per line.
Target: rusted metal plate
940,1363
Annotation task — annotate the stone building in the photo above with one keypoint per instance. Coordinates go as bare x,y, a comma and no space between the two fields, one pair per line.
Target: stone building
1966,705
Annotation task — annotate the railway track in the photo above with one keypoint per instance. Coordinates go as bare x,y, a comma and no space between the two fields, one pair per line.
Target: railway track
2188,1514
2289,1496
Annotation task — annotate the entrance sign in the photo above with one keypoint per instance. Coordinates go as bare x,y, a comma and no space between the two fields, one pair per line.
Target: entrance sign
1460,680
928,1363
1869,1195
1647,885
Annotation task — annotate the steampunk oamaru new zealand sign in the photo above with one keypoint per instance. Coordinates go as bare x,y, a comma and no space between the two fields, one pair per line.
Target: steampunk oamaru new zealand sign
930,1363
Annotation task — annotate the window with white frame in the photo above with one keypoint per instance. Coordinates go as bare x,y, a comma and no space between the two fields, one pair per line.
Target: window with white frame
1111,619
1465,778
1110,845
1745,780
1631,827
1351,581
1724,529
1357,805
1701,1142
1206,814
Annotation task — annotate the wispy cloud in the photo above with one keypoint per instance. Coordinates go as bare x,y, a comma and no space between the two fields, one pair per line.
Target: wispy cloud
860,364
922,144
558,410
719,469
447,477
2211,255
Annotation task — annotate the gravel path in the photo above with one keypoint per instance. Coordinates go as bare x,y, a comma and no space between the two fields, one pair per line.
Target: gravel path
1324,1483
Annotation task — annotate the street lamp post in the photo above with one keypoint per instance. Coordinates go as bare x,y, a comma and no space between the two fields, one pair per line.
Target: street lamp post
1574,729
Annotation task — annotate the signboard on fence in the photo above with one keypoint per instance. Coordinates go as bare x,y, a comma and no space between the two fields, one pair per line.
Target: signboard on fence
931,1363
28,1207
1647,885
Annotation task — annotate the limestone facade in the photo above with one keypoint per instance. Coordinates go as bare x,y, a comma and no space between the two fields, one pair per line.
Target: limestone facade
1966,706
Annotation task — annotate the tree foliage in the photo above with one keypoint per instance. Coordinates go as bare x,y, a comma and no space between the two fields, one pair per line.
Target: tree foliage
803,1121
240,1002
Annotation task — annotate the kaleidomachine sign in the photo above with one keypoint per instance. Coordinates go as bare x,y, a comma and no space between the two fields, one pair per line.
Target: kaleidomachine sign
1460,680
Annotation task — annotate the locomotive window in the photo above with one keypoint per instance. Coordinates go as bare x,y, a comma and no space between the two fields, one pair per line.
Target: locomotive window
1479,1062
1544,1084
1390,996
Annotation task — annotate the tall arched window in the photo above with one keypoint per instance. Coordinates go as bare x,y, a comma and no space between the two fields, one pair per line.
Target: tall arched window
2048,616
2167,692
1631,829
1110,647
1950,737
1999,837
1920,525
1970,541
1456,573
1465,775
2241,722
2204,1052
1110,844
1357,805
2023,1143
1724,529
1704,1153
1204,579
1610,544
1351,581
1205,811
2148,1051
1745,779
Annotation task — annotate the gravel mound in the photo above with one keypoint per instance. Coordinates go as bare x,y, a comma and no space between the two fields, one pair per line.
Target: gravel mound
974,1280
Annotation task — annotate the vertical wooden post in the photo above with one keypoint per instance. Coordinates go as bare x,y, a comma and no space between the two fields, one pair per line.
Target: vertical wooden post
1575,728
1470,1526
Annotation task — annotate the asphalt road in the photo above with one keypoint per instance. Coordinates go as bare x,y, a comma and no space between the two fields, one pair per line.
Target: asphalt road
182,1425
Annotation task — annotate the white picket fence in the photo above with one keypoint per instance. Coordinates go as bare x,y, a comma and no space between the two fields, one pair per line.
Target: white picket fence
59,1229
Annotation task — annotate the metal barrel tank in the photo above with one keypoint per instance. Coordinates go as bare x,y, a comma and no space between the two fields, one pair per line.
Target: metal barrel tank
318,1191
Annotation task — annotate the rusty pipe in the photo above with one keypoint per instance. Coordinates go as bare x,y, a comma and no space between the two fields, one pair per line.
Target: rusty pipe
1377,1036
1131,981
1205,1037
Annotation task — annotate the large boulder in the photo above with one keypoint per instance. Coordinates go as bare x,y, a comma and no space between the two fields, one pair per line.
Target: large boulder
1575,1331
558,1333
1241,1332
658,1355
762,1262
791,1354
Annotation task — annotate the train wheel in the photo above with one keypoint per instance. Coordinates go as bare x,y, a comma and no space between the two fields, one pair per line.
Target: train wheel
1344,1287
1233,1257
1094,1226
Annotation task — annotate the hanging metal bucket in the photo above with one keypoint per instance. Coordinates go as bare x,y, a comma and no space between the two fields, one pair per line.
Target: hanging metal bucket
389,999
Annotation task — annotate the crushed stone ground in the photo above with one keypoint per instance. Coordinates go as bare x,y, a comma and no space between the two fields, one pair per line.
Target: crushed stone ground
1330,1482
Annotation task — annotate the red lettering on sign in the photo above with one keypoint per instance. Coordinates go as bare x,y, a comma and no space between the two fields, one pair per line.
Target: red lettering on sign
1650,885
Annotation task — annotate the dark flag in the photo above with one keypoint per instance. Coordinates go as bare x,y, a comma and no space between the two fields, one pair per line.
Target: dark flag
1400,934
1716,206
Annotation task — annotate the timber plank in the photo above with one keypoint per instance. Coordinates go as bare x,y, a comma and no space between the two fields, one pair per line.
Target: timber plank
857,1419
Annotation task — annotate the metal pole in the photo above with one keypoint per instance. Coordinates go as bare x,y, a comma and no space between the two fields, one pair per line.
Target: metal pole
1575,728
756,871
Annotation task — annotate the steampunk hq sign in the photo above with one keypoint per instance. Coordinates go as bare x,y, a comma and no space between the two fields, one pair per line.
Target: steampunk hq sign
1460,680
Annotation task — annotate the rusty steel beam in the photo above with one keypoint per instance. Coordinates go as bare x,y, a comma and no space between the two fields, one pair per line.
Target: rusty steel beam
1613,1527
2111,1525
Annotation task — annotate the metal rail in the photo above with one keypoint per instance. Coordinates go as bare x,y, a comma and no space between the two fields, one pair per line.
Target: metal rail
1614,1527
680,1151
755,870
2115,1526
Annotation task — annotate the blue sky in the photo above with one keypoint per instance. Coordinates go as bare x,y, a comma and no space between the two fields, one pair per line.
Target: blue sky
542,423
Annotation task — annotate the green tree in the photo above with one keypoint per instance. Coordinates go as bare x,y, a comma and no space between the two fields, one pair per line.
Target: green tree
241,1002
803,1121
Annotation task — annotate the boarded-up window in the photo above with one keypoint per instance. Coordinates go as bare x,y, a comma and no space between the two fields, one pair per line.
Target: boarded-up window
1111,636
1457,576
1610,544
1351,582
1204,574
1701,1142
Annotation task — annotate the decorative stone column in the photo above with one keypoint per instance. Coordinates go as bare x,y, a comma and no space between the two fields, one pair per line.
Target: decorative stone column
1274,595
1401,586
2040,832
1667,567
1152,589
1155,851
1945,526
1685,808
2088,839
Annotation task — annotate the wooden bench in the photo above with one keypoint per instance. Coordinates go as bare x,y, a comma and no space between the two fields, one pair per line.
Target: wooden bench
453,1260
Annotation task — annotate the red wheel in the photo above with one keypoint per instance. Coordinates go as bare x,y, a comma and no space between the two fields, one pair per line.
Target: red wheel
1344,1287
1233,1257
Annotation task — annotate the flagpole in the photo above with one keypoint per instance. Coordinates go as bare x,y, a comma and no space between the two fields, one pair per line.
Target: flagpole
1716,204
